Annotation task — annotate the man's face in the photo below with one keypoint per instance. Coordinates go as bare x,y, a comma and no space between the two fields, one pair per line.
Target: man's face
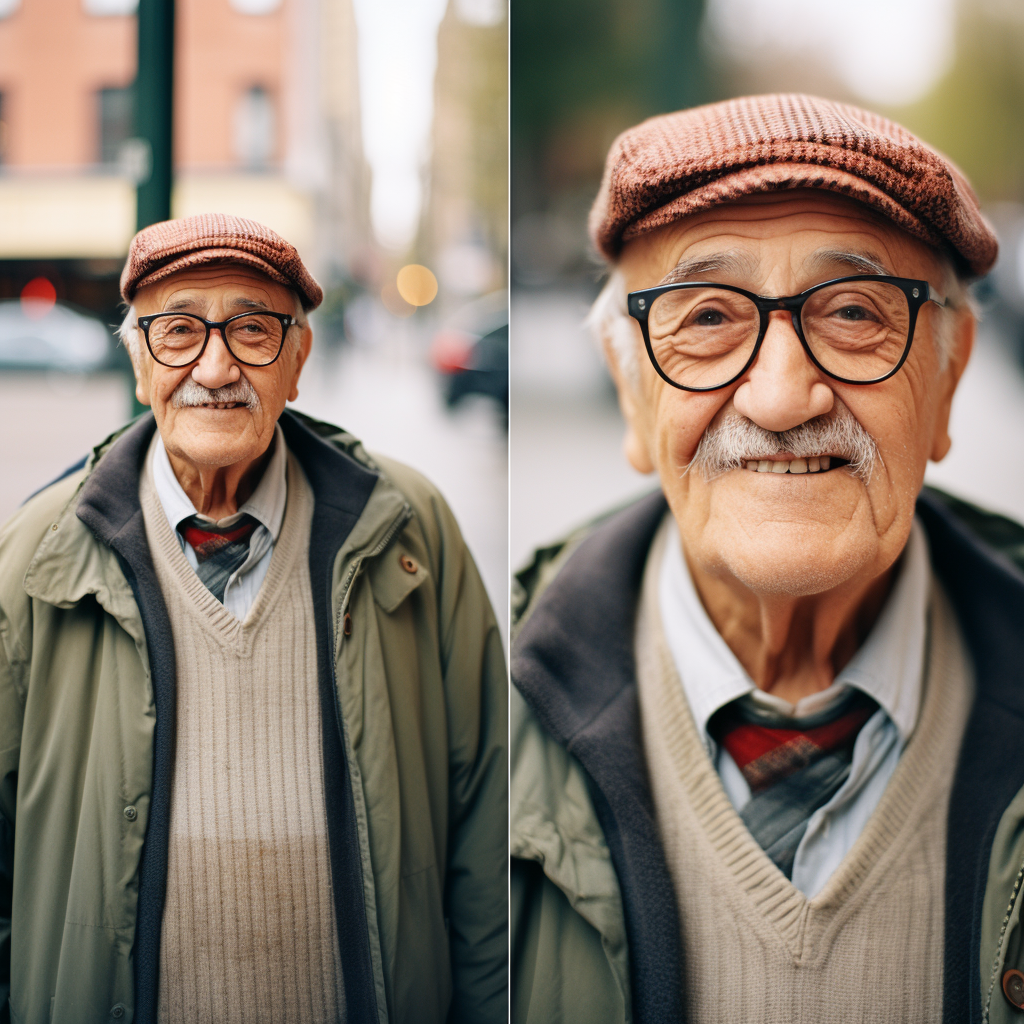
777,533
205,435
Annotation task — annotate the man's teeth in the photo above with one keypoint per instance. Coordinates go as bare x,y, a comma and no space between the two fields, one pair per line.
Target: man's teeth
818,464
219,405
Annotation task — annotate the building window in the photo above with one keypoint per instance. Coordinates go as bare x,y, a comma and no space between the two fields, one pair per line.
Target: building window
105,8
115,117
255,6
254,128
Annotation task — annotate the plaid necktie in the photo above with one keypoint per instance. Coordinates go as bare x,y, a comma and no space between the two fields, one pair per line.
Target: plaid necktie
793,766
219,551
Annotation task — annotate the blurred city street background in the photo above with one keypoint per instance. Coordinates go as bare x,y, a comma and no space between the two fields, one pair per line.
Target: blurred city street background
950,70
371,135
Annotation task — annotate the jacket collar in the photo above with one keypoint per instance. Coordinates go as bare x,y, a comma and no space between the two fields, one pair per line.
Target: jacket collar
573,663
76,556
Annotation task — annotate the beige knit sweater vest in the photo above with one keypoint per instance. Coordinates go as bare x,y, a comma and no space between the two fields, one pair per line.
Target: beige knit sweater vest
869,946
249,932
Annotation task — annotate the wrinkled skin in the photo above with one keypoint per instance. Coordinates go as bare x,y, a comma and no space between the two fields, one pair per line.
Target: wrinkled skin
218,454
793,570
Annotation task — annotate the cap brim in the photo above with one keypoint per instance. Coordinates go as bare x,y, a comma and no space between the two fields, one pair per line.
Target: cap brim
204,257
776,178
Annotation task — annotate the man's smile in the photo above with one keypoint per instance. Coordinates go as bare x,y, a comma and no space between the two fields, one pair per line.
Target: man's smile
819,464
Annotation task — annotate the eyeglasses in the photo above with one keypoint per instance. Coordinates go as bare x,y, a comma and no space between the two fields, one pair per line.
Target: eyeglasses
857,330
177,339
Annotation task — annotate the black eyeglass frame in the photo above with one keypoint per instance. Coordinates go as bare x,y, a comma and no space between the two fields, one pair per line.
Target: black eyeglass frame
638,305
287,322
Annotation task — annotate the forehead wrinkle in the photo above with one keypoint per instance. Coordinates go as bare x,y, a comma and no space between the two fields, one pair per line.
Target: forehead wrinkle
861,261
734,261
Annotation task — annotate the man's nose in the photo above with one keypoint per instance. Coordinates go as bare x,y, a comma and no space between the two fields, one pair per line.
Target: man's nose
217,366
783,388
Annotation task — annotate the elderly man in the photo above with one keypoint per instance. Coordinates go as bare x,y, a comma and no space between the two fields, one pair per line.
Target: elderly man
252,694
767,757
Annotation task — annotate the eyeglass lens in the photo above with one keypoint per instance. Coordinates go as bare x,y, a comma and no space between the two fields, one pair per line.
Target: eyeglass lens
177,339
703,337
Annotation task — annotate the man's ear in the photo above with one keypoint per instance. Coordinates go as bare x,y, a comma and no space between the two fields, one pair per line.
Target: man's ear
142,378
963,344
633,444
301,355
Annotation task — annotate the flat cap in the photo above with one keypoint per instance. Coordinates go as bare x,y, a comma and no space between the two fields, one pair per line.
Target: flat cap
165,248
676,165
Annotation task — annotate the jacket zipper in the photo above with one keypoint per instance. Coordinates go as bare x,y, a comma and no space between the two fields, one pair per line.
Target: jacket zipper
397,525
999,945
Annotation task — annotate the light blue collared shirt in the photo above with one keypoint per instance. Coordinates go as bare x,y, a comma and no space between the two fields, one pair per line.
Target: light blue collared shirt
266,504
888,667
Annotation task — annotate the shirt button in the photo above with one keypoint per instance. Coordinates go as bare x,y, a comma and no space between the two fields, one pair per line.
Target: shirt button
131,814
1013,988
117,1011
407,563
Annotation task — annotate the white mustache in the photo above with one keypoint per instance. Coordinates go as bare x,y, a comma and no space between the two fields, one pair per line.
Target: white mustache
188,393
737,440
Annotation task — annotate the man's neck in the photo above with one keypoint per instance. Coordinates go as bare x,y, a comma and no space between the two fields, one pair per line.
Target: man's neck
219,491
792,647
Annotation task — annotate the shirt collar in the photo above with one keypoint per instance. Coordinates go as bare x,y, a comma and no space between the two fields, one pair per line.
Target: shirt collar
265,504
888,666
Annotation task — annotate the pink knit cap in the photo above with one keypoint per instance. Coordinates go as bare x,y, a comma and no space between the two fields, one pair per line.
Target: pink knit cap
679,164
163,249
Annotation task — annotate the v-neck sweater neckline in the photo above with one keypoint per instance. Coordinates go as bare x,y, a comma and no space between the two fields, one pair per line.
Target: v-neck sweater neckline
209,613
926,760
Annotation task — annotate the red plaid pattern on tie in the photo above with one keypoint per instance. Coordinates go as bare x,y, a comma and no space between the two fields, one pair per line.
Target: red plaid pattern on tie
766,754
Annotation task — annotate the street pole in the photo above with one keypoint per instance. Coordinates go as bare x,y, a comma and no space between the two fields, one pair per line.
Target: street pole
154,123
154,109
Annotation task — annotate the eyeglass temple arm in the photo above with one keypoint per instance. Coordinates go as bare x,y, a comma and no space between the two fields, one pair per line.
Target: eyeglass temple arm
934,296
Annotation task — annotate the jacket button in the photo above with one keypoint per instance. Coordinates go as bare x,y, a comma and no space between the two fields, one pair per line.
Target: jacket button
407,563
117,1012
131,814
1013,988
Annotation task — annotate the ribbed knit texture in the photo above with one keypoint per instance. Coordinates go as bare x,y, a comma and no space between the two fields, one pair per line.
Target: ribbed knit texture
249,933
869,946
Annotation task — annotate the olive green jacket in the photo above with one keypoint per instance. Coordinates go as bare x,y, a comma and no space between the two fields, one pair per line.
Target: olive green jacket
594,925
416,708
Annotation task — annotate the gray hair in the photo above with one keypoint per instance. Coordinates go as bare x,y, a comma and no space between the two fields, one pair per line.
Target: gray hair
130,335
609,322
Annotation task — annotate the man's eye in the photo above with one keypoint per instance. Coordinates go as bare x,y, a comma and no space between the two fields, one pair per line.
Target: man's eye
852,313
710,318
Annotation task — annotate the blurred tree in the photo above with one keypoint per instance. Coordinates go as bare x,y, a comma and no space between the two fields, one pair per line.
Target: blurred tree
976,112
583,70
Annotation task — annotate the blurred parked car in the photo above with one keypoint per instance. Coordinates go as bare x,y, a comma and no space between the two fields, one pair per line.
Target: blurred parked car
471,351
54,337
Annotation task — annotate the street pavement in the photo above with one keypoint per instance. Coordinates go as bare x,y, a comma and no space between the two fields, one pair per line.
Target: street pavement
385,394
566,430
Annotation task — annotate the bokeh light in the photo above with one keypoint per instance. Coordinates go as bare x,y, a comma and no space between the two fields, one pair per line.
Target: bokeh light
38,298
417,285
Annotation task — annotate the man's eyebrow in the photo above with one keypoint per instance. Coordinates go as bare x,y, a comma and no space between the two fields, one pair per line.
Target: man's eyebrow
244,303
179,304
734,262
860,261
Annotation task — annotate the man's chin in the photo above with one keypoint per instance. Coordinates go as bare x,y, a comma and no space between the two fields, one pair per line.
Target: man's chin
788,536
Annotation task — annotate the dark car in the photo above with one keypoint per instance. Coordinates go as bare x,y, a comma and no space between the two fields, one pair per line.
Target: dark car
471,351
